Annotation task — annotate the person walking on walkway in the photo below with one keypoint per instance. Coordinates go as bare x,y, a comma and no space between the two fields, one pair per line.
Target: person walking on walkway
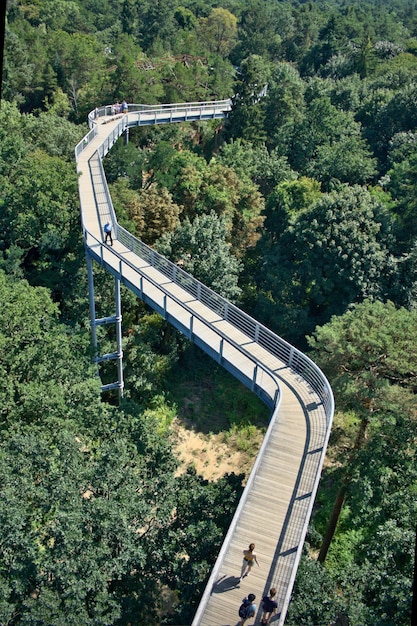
107,232
247,609
269,606
249,558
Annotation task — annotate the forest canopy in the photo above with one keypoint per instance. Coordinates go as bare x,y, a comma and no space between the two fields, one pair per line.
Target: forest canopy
300,207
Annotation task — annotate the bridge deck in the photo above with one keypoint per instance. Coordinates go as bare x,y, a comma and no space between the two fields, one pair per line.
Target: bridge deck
274,513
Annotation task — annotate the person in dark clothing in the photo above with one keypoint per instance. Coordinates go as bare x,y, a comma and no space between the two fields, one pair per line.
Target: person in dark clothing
107,232
247,608
269,606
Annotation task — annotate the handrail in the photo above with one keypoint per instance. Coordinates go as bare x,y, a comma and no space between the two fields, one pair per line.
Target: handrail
109,109
257,365
243,499
290,356
178,276
81,145
259,333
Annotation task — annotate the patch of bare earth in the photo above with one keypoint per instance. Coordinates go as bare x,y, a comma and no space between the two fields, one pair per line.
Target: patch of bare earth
208,453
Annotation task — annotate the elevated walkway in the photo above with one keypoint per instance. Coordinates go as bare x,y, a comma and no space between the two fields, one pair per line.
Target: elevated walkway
276,505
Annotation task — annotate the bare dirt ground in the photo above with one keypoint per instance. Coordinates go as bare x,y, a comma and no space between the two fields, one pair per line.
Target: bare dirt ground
211,457
219,425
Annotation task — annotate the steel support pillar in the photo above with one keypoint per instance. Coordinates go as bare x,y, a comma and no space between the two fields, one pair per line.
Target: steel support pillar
119,336
113,319
92,303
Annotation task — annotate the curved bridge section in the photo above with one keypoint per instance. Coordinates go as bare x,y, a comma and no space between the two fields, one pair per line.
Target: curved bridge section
276,505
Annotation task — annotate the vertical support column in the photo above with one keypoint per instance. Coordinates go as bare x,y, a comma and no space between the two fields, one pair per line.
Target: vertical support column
92,302
114,319
126,135
119,336
254,377
221,350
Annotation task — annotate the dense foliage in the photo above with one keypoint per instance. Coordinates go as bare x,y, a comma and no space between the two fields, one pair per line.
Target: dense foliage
300,207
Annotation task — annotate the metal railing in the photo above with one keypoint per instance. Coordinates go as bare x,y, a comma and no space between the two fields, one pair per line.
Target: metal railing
158,111
290,356
260,372
81,145
275,345
258,333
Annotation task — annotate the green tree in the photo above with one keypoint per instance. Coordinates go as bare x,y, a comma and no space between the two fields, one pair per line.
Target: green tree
315,599
334,254
365,57
94,517
41,235
371,342
397,113
328,145
247,118
199,188
382,504
21,134
218,31
128,79
156,23
129,17
201,248
185,81
331,41
126,161
32,339
401,147
261,30
407,279
57,103
376,489
346,93
237,201
266,169
204,512
185,18
348,160
364,353
386,593
403,187
160,213
181,172
52,134
126,202
80,67
308,22
12,142
86,492
150,352
288,200
26,63
221,78
41,217
60,15
284,106
91,515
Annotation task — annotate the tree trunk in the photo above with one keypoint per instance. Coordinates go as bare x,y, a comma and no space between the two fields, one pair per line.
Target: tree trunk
331,526
341,494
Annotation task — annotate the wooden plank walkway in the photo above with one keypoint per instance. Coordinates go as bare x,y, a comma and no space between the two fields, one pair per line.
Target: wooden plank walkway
277,502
